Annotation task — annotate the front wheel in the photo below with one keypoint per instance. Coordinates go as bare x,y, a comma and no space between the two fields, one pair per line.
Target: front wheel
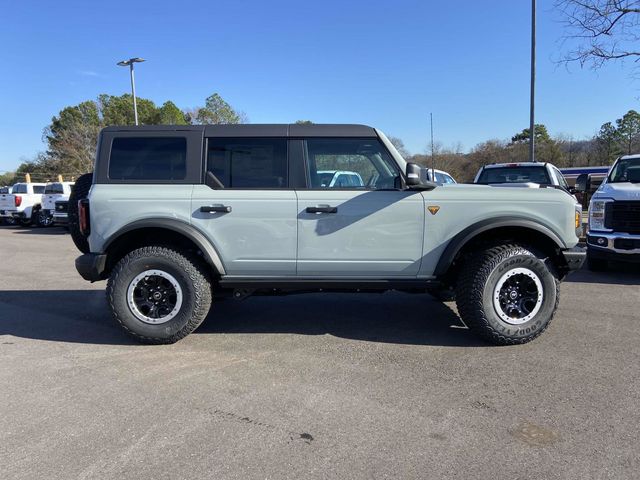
159,295
507,295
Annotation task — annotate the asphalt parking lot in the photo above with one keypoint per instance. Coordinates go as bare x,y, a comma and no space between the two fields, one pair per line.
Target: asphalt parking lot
310,386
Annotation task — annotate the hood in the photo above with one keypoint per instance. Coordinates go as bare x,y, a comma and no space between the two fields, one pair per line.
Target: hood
619,191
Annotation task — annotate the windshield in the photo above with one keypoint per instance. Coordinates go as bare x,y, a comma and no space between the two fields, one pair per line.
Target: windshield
515,174
625,170
443,178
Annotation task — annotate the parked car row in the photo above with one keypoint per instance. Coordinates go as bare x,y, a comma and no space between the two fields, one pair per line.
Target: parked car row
39,204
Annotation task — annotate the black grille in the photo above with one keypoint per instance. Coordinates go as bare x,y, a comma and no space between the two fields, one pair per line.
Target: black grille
623,216
62,206
626,244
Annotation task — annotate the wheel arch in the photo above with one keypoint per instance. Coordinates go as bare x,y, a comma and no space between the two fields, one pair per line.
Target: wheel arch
517,229
160,231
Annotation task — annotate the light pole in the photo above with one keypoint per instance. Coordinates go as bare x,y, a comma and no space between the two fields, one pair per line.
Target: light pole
532,125
129,63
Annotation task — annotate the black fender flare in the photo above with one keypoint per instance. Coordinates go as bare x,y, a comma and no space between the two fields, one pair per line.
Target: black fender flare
462,238
189,231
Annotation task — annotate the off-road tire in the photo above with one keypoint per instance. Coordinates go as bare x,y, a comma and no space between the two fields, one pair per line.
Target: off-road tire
194,282
475,289
596,264
79,191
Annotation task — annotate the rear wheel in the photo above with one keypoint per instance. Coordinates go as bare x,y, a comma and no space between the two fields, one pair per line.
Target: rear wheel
27,222
159,295
507,295
43,220
79,191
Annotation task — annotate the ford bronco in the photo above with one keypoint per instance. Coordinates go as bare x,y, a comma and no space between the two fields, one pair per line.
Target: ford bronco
174,216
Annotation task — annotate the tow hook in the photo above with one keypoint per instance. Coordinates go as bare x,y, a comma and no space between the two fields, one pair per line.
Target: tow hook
242,293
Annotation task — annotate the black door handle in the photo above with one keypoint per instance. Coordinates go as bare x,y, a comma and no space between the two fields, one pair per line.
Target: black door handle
215,209
322,209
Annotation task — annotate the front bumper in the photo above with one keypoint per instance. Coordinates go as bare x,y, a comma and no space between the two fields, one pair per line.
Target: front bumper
616,243
91,266
575,257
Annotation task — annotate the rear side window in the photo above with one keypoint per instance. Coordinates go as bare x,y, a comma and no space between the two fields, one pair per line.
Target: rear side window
38,189
248,162
20,188
148,158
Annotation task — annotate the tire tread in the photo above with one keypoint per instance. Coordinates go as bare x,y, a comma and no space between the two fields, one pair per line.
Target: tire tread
197,275
470,287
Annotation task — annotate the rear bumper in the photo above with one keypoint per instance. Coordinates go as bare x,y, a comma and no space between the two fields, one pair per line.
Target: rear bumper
91,266
575,257
60,218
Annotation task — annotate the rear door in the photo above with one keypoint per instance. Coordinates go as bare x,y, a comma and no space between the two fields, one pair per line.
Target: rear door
246,206
371,230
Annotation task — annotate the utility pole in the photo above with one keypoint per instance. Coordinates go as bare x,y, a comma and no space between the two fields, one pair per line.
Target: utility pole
532,125
433,157
129,63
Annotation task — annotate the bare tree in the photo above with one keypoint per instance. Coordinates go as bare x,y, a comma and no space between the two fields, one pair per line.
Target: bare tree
599,31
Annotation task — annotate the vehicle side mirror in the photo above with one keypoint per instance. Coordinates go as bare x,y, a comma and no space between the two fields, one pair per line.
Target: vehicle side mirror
413,174
583,183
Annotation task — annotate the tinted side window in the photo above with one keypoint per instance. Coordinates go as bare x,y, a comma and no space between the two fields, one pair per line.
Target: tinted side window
248,162
148,158
360,163
20,188
38,189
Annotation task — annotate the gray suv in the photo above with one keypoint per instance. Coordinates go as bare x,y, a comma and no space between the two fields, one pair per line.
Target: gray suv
176,216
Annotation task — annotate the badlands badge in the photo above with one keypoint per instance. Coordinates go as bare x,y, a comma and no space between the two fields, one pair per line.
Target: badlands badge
433,209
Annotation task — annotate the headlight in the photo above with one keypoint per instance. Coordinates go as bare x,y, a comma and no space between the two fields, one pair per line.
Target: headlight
578,220
597,210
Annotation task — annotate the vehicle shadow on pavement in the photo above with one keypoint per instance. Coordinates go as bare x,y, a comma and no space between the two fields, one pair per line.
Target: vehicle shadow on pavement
77,316
392,317
617,274
40,231
82,316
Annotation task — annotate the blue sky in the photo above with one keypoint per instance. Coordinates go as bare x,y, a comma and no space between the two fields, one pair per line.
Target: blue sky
383,63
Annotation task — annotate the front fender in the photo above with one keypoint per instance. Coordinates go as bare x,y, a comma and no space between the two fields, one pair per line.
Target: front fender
462,238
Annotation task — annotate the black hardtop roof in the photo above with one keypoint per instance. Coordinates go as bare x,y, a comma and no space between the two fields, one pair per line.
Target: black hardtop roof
258,130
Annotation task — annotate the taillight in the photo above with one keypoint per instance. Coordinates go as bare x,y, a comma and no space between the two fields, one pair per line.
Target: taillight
83,216
18,200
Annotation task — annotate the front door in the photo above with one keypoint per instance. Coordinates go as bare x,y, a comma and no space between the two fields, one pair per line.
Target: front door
363,226
246,207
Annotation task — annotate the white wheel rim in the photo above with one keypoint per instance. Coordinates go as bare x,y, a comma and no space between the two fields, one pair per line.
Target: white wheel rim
154,297
518,296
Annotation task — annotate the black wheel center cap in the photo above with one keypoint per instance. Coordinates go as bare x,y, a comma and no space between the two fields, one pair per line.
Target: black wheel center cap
157,295
513,294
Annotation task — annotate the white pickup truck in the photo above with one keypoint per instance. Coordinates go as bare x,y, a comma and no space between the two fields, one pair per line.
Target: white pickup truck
23,204
54,192
614,215
522,174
